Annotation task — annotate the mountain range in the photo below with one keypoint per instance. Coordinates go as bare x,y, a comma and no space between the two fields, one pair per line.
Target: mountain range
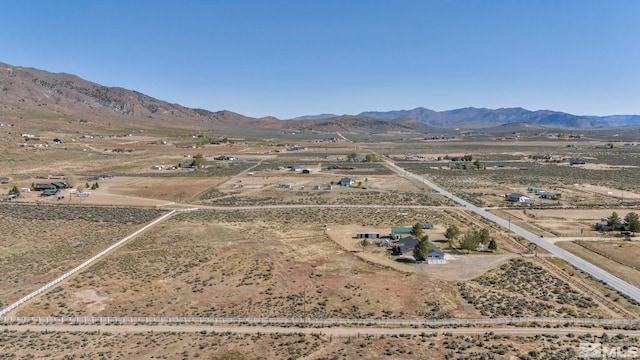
39,94
481,118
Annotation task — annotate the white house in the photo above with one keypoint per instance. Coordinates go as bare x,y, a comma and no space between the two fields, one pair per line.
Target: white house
346,181
435,255
515,197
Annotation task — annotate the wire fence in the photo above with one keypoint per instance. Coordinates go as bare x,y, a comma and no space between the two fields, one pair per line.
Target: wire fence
316,322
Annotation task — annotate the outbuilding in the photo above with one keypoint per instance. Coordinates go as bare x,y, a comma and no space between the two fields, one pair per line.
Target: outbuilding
368,235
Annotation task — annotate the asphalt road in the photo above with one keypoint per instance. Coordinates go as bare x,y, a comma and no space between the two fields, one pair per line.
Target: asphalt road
613,281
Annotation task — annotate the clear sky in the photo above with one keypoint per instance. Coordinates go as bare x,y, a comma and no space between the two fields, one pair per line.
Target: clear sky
302,57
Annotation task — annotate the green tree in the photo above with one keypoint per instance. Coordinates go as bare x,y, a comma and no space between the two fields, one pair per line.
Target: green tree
477,164
493,244
198,161
71,180
364,243
421,250
372,158
485,236
633,222
470,240
452,234
615,221
14,190
352,155
417,231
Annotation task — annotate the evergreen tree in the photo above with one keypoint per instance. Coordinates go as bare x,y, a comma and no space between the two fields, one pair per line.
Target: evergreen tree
493,245
615,221
633,222
421,250
417,231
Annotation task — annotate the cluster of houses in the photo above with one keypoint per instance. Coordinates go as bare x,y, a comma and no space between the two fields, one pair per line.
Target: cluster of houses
52,188
520,198
315,187
345,181
543,194
401,241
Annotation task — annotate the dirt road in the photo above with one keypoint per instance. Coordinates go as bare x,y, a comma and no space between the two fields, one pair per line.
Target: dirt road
332,331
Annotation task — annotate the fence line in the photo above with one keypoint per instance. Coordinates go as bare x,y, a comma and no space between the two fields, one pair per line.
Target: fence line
83,265
310,321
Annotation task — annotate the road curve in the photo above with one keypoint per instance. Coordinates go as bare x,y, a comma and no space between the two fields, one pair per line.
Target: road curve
613,281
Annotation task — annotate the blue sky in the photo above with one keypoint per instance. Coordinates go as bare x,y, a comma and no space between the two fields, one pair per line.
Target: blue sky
291,58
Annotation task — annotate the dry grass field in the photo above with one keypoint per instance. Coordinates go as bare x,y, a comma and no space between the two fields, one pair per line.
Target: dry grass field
273,263
42,242
618,257
256,263
290,262
211,345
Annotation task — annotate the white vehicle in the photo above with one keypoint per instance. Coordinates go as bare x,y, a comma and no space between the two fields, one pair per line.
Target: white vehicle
83,194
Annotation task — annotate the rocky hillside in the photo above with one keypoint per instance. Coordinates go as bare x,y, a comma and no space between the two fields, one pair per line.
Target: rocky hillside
28,91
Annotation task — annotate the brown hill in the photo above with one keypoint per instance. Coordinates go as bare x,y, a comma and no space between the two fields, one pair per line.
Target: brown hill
60,100
356,124
40,94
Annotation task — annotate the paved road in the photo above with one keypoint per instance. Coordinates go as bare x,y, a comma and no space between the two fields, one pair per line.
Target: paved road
613,281
327,331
